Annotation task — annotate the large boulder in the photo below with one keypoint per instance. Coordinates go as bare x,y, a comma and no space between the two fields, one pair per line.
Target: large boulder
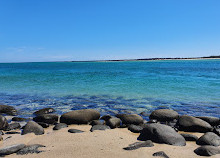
160,133
209,138
3,123
113,122
83,116
47,118
6,109
207,150
33,127
11,149
44,111
214,121
130,119
192,124
164,115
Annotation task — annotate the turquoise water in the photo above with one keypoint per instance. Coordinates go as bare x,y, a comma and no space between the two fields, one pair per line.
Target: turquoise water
188,86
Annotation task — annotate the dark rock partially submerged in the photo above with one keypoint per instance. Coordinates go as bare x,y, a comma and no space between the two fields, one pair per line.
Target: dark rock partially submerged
6,109
209,138
33,127
192,124
164,115
83,116
59,126
11,149
160,133
189,137
30,149
99,127
207,150
137,145
130,119
44,111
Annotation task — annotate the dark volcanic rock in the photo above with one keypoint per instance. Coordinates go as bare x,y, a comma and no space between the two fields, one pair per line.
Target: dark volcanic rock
44,125
209,138
33,127
214,121
59,126
113,122
47,118
189,137
44,111
207,150
3,123
137,145
6,109
83,116
11,149
30,149
18,119
99,127
161,154
192,124
135,128
75,131
164,115
130,119
96,122
13,126
162,134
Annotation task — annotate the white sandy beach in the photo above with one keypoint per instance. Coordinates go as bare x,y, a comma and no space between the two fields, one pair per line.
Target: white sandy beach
97,144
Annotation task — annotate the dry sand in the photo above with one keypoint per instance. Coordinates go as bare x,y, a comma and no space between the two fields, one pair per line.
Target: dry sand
97,144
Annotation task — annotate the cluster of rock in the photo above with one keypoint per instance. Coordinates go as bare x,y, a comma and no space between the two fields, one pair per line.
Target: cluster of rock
162,127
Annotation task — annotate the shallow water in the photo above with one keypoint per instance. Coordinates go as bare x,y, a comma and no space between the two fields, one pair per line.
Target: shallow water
187,86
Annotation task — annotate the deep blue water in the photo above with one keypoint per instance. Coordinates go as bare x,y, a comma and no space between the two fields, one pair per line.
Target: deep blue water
187,86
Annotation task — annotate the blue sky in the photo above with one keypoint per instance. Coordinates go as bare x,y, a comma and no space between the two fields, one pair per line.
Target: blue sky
60,30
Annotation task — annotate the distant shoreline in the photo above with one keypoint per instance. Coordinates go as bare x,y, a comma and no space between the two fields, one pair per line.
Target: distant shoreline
154,59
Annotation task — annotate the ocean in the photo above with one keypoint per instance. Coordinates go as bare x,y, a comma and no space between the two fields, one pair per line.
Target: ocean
188,86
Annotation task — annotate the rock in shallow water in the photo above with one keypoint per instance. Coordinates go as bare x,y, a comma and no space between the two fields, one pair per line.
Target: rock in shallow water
137,145
99,127
209,138
83,116
30,149
160,133
11,149
130,119
44,111
192,124
164,115
33,127
6,109
207,150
